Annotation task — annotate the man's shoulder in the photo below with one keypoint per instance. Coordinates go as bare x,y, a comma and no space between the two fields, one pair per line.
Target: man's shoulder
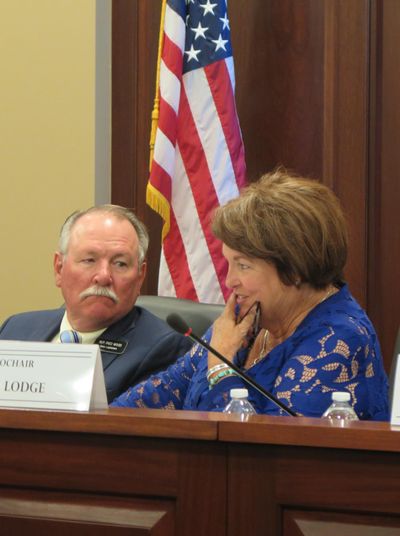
30,319
39,312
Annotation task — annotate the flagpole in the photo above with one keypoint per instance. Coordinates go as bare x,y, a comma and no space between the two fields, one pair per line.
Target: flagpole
156,106
155,198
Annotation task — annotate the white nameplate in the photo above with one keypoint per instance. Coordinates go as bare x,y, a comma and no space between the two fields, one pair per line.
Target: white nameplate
395,413
51,376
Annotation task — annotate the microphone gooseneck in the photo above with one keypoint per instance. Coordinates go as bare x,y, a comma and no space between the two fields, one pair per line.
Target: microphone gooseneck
178,324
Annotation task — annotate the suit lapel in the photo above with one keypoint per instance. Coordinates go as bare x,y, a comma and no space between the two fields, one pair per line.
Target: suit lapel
118,332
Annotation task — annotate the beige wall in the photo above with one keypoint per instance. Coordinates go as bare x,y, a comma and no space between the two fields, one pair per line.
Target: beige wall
47,139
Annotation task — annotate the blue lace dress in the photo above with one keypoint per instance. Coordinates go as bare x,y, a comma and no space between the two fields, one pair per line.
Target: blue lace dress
335,348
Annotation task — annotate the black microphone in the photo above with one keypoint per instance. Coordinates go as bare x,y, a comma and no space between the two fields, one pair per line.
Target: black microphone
178,324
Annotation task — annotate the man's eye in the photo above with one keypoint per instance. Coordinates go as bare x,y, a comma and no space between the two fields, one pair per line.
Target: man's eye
89,260
243,266
121,264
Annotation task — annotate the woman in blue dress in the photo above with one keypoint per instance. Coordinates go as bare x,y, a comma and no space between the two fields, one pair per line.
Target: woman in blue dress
290,323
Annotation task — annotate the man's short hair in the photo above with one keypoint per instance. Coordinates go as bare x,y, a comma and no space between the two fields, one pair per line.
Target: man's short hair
119,212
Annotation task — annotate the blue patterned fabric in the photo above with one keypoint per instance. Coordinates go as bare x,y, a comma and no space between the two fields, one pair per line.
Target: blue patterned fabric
335,348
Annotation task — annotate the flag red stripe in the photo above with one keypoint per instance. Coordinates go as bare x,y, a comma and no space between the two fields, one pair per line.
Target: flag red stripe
167,122
200,179
172,56
221,88
180,273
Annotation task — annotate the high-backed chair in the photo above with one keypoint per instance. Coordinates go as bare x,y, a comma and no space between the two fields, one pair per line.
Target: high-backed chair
198,316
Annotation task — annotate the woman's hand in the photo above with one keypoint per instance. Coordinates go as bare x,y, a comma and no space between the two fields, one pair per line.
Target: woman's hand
229,335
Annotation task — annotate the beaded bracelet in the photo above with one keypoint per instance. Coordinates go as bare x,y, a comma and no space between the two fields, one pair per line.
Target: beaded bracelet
215,379
216,368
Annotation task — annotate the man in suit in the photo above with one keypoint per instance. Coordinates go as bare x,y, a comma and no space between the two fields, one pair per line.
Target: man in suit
100,267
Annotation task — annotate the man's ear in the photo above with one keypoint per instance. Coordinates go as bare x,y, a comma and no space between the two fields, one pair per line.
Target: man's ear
143,272
58,265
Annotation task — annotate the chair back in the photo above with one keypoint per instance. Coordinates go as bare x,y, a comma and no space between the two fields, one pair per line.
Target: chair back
198,316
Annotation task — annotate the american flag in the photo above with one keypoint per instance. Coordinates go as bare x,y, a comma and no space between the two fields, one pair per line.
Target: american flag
198,161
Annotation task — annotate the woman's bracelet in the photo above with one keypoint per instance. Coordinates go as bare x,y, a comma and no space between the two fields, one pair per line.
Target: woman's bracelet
216,368
215,379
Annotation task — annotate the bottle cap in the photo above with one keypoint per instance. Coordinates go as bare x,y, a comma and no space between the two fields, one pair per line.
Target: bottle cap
340,397
239,393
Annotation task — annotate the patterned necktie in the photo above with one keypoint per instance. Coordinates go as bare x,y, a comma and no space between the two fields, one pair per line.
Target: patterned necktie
68,336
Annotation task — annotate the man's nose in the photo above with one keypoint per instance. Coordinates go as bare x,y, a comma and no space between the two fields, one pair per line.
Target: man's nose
103,276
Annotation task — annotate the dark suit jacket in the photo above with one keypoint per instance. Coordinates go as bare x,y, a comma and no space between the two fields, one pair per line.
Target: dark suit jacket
151,344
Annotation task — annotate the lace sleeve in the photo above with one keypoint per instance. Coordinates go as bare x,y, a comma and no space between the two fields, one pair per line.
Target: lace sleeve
334,360
166,389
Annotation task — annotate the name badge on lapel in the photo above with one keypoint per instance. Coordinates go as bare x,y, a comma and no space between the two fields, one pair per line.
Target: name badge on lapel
113,347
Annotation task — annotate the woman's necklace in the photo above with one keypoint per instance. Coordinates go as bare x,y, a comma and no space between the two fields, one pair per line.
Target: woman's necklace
265,339
331,291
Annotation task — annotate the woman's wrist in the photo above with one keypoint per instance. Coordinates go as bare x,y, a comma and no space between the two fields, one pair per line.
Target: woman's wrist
217,373
216,368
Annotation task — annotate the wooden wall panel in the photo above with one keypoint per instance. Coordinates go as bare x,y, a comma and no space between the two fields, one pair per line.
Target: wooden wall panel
124,99
302,95
278,49
317,87
346,126
384,194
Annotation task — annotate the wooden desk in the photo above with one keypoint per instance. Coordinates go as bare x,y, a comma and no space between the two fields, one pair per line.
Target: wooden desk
305,476
167,473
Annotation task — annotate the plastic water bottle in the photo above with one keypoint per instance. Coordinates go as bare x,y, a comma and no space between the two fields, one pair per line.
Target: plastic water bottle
340,411
239,404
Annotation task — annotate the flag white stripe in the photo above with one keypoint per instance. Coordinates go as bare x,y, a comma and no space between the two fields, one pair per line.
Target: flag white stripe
165,284
200,263
231,70
174,27
164,152
170,87
211,134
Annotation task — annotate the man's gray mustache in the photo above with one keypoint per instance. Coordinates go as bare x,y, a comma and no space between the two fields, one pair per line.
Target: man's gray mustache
99,291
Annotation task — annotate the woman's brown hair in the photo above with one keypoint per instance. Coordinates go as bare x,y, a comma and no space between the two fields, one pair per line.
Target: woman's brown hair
293,222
